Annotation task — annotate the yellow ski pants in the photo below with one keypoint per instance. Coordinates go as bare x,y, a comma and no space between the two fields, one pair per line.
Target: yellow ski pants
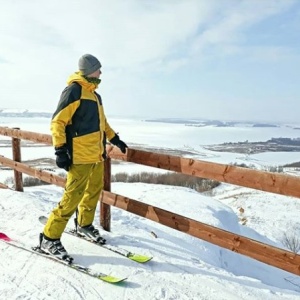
82,190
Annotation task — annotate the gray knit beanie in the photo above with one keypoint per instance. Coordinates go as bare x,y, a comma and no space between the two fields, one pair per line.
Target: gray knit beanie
88,64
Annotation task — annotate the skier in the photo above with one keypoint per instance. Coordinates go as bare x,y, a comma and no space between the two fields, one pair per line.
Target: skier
79,132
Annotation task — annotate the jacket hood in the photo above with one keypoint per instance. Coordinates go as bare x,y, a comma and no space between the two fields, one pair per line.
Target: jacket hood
78,77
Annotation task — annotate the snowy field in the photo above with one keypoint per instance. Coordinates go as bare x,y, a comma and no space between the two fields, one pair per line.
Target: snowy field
183,267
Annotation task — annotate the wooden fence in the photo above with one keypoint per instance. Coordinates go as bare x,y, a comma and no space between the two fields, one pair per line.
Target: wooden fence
264,181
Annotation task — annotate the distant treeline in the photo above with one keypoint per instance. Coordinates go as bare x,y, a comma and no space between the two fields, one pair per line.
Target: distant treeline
285,141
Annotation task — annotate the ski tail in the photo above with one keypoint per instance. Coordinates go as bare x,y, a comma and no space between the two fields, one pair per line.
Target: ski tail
4,237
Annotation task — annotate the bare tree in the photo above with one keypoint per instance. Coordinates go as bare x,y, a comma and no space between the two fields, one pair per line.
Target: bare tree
291,241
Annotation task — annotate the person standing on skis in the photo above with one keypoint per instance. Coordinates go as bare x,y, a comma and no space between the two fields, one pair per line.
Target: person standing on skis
79,132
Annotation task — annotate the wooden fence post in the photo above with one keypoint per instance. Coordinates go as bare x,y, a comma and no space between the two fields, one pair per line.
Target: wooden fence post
105,208
16,145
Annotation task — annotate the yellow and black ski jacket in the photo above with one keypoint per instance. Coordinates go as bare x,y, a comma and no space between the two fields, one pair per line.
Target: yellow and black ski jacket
80,123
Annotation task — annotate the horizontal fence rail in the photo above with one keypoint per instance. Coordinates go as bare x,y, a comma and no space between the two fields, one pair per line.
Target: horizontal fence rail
42,175
26,135
270,255
265,181
259,180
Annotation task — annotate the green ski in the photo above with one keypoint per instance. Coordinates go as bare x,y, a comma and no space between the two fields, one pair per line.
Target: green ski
132,256
74,266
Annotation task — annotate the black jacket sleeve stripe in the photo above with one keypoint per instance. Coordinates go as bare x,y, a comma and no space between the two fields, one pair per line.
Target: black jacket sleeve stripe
69,95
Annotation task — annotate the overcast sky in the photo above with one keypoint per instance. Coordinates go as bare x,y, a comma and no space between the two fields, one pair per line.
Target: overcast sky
213,59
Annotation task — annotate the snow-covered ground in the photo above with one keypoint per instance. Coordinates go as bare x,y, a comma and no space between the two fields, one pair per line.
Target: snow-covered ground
183,267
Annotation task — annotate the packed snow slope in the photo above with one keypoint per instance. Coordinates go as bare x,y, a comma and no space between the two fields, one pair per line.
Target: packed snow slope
183,267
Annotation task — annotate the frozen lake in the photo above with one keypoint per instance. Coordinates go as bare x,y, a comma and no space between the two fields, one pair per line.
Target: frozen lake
140,133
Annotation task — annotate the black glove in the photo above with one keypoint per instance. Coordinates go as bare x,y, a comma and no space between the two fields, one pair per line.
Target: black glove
63,159
120,144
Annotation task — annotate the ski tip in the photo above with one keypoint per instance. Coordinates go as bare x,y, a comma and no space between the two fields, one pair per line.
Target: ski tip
111,279
139,258
4,237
